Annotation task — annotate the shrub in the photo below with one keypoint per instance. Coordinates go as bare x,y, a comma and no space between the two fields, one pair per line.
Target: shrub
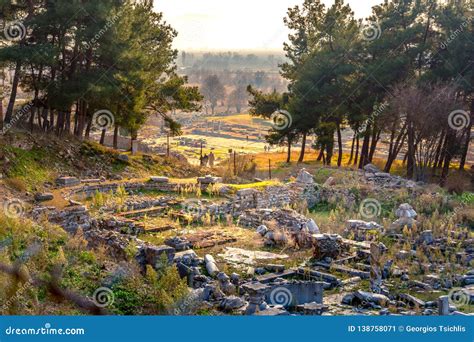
458,182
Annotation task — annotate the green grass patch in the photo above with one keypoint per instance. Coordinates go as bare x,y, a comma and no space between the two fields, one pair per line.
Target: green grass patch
257,185
32,168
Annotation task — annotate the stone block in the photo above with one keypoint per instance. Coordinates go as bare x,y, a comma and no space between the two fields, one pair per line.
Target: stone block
67,181
43,197
159,179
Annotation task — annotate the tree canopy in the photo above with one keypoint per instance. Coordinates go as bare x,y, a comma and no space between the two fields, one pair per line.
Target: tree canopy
377,76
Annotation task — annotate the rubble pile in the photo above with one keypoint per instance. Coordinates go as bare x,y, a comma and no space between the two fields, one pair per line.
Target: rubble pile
262,279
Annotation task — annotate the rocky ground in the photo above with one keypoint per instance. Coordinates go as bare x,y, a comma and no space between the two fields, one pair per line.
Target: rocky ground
377,245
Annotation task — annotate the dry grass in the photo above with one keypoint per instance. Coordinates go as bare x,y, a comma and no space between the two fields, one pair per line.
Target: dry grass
242,119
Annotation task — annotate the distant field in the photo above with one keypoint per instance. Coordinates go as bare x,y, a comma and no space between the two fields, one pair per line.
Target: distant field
233,135
242,119
219,146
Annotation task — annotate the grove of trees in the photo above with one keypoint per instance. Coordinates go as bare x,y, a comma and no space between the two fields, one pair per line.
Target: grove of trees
404,75
77,59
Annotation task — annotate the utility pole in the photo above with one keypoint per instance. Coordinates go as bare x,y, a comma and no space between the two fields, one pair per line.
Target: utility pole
235,163
270,168
200,158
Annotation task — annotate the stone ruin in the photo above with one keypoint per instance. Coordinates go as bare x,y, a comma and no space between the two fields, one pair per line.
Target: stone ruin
406,217
362,231
338,261
381,179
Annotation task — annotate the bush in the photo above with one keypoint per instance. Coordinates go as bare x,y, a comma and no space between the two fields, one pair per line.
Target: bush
458,182
16,183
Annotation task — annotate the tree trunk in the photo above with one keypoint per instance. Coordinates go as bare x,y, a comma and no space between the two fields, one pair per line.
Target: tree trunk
60,123
1,113
44,116
448,156
364,153
88,128
411,149
51,119
32,118
303,148
437,154
67,122
288,156
373,146
352,149
395,148
102,137
329,153
11,103
116,130
39,116
356,157
321,155
76,120
339,145
81,119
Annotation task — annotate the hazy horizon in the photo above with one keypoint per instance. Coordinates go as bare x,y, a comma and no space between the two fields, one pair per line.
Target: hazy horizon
217,25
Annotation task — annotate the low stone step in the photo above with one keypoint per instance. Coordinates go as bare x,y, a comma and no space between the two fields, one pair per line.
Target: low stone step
152,212
159,229
319,275
67,181
351,271
357,244
268,278
411,300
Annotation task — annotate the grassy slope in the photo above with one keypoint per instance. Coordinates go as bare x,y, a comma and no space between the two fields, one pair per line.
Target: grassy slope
27,162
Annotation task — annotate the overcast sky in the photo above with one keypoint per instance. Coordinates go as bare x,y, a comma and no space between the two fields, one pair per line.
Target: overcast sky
235,24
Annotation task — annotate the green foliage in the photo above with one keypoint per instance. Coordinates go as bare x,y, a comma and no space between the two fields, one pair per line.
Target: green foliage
30,167
466,198
113,55
82,271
